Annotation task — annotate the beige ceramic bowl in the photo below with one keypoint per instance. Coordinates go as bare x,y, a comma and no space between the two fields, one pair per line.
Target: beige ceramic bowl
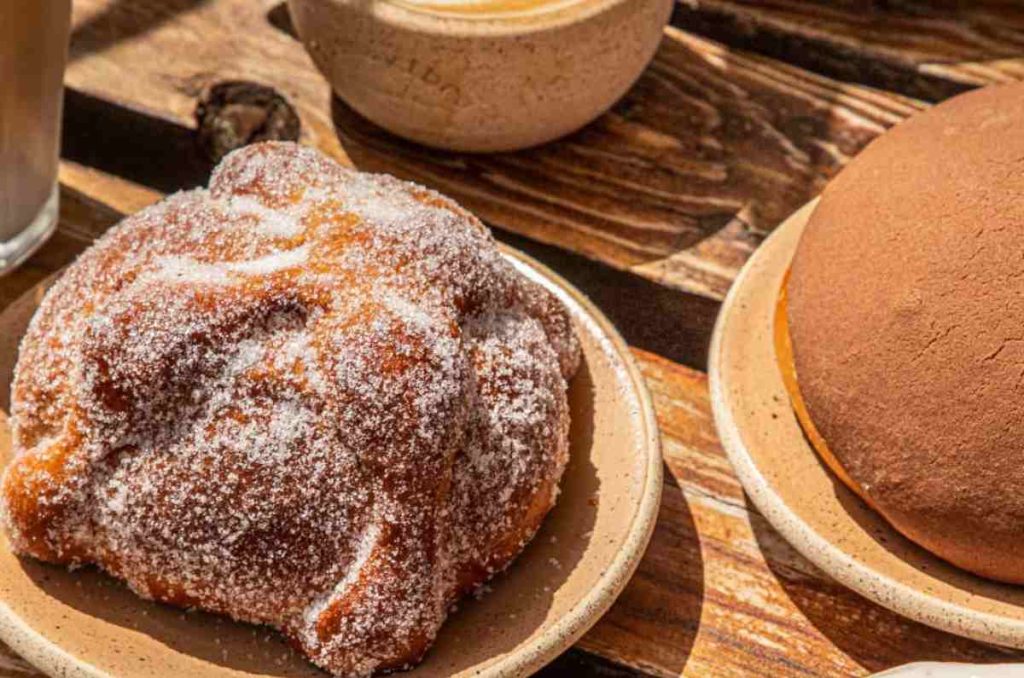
85,624
801,498
481,75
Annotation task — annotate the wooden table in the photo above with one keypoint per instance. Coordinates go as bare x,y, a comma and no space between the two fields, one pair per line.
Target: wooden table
748,108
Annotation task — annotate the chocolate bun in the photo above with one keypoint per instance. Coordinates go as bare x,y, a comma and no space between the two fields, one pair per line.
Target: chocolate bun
905,312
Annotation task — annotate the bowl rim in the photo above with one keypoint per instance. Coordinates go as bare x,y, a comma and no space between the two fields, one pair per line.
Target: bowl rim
427,22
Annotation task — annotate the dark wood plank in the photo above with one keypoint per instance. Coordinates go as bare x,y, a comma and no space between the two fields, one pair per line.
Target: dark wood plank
678,183
157,56
925,49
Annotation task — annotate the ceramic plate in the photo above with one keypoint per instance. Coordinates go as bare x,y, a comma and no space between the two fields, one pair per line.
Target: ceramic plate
84,623
824,520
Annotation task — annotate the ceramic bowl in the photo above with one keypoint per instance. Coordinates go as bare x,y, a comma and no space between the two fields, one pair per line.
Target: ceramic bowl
480,75
84,623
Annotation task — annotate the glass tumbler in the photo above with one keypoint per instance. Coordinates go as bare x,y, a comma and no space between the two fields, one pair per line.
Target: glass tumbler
33,52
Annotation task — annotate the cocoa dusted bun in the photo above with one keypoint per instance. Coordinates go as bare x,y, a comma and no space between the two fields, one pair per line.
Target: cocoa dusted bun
901,329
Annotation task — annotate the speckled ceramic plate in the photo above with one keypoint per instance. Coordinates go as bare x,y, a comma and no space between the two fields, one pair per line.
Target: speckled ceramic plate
86,624
824,520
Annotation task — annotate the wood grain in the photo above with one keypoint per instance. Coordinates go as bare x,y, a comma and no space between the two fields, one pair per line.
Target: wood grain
678,183
720,593
156,56
930,50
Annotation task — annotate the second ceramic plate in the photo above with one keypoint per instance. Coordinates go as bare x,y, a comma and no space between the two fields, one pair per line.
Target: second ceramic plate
812,509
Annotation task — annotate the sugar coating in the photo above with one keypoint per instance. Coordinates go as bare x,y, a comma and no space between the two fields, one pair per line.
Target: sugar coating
306,397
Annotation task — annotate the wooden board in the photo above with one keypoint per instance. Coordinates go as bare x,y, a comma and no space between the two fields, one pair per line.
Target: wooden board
929,50
719,593
678,183
651,211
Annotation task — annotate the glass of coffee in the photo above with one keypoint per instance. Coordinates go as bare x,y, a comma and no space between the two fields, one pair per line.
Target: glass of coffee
33,52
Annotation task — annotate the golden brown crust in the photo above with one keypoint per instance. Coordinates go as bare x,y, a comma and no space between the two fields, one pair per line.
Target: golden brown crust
905,311
306,397
784,354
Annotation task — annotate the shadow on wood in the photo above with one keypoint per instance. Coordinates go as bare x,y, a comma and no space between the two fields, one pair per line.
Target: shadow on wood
658,616
928,50
131,144
588,183
871,635
582,664
123,20
658,319
280,19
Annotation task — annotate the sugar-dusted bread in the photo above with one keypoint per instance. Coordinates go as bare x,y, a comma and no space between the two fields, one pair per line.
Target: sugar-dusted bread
306,397
906,316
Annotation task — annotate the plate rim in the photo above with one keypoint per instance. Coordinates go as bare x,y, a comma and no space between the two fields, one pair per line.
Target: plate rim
888,592
52,659
589,609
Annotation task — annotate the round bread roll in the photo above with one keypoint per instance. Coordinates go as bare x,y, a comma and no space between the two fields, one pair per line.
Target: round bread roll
905,317
305,397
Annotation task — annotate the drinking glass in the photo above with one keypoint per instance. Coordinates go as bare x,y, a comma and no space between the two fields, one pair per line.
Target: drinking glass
33,52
